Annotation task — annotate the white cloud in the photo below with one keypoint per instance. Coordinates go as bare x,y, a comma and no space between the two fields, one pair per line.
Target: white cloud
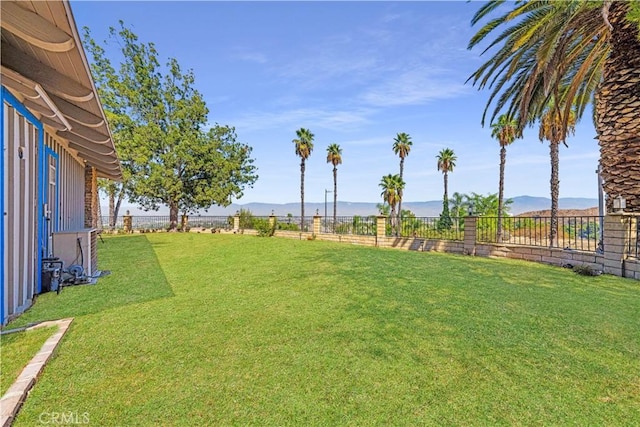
414,87
320,118
257,57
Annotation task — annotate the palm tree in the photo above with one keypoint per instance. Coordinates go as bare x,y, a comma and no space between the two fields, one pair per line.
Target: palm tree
446,162
392,187
401,146
505,131
334,156
552,129
571,51
617,105
304,147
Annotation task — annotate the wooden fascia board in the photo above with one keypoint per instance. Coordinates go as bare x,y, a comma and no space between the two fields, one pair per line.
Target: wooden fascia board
77,114
52,80
101,149
34,29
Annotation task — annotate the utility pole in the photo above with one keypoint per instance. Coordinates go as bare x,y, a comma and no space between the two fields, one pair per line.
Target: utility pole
325,208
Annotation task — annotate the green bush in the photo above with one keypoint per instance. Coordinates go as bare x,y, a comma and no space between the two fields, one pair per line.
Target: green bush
264,227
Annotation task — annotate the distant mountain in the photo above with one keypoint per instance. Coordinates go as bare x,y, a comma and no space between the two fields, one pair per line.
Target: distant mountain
431,208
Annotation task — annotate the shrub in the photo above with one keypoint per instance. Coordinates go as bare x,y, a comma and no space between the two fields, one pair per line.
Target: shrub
264,227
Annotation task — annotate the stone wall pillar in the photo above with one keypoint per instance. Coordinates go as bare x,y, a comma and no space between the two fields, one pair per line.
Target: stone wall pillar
236,223
617,237
127,222
381,226
272,220
91,198
470,235
317,219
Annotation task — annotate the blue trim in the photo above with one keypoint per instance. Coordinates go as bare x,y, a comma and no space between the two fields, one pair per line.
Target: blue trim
2,284
13,101
49,152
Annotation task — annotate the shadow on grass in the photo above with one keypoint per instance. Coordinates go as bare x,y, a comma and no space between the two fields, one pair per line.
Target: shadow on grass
136,277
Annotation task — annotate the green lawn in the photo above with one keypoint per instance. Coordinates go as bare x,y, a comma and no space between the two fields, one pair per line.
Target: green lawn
203,329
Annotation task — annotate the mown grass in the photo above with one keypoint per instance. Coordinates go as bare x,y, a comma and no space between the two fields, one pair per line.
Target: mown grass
195,329
16,350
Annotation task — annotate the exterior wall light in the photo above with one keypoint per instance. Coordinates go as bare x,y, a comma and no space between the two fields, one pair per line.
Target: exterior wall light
619,204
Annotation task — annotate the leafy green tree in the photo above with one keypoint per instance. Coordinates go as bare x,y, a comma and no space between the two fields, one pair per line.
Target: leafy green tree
505,130
446,162
304,147
158,121
383,209
334,156
401,147
458,208
571,52
392,187
487,205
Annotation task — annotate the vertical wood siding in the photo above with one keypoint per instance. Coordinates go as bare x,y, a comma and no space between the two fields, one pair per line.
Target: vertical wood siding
21,202
70,209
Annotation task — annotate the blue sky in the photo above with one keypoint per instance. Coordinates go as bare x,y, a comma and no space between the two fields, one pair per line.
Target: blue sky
356,74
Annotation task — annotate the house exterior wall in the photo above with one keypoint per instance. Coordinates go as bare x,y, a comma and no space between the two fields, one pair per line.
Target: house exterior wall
29,155
19,264
70,186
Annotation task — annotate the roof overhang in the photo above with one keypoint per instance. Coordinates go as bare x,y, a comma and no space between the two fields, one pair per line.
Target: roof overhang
44,65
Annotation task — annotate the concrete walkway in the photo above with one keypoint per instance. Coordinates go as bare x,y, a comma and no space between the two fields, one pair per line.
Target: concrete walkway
16,395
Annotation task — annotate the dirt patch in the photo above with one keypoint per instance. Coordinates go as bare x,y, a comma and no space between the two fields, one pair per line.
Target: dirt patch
563,212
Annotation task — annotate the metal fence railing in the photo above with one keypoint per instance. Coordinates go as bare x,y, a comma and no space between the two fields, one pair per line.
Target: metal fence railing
429,228
162,222
572,232
357,225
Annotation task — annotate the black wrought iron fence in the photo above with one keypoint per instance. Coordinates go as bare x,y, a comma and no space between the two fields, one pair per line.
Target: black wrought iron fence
358,225
428,228
572,232
162,222
215,222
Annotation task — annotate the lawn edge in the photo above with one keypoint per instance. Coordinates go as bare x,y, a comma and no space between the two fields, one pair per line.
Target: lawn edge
16,394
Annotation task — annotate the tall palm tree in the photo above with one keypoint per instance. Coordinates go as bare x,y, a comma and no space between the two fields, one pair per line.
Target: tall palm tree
446,162
334,156
304,147
505,131
585,48
392,186
401,146
552,129
617,106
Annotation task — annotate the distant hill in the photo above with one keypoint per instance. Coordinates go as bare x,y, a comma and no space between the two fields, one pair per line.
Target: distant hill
520,205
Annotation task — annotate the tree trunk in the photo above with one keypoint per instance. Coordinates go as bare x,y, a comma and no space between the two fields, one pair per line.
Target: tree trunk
555,189
116,210
335,196
503,159
302,195
392,217
173,216
446,189
112,209
617,107
400,197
